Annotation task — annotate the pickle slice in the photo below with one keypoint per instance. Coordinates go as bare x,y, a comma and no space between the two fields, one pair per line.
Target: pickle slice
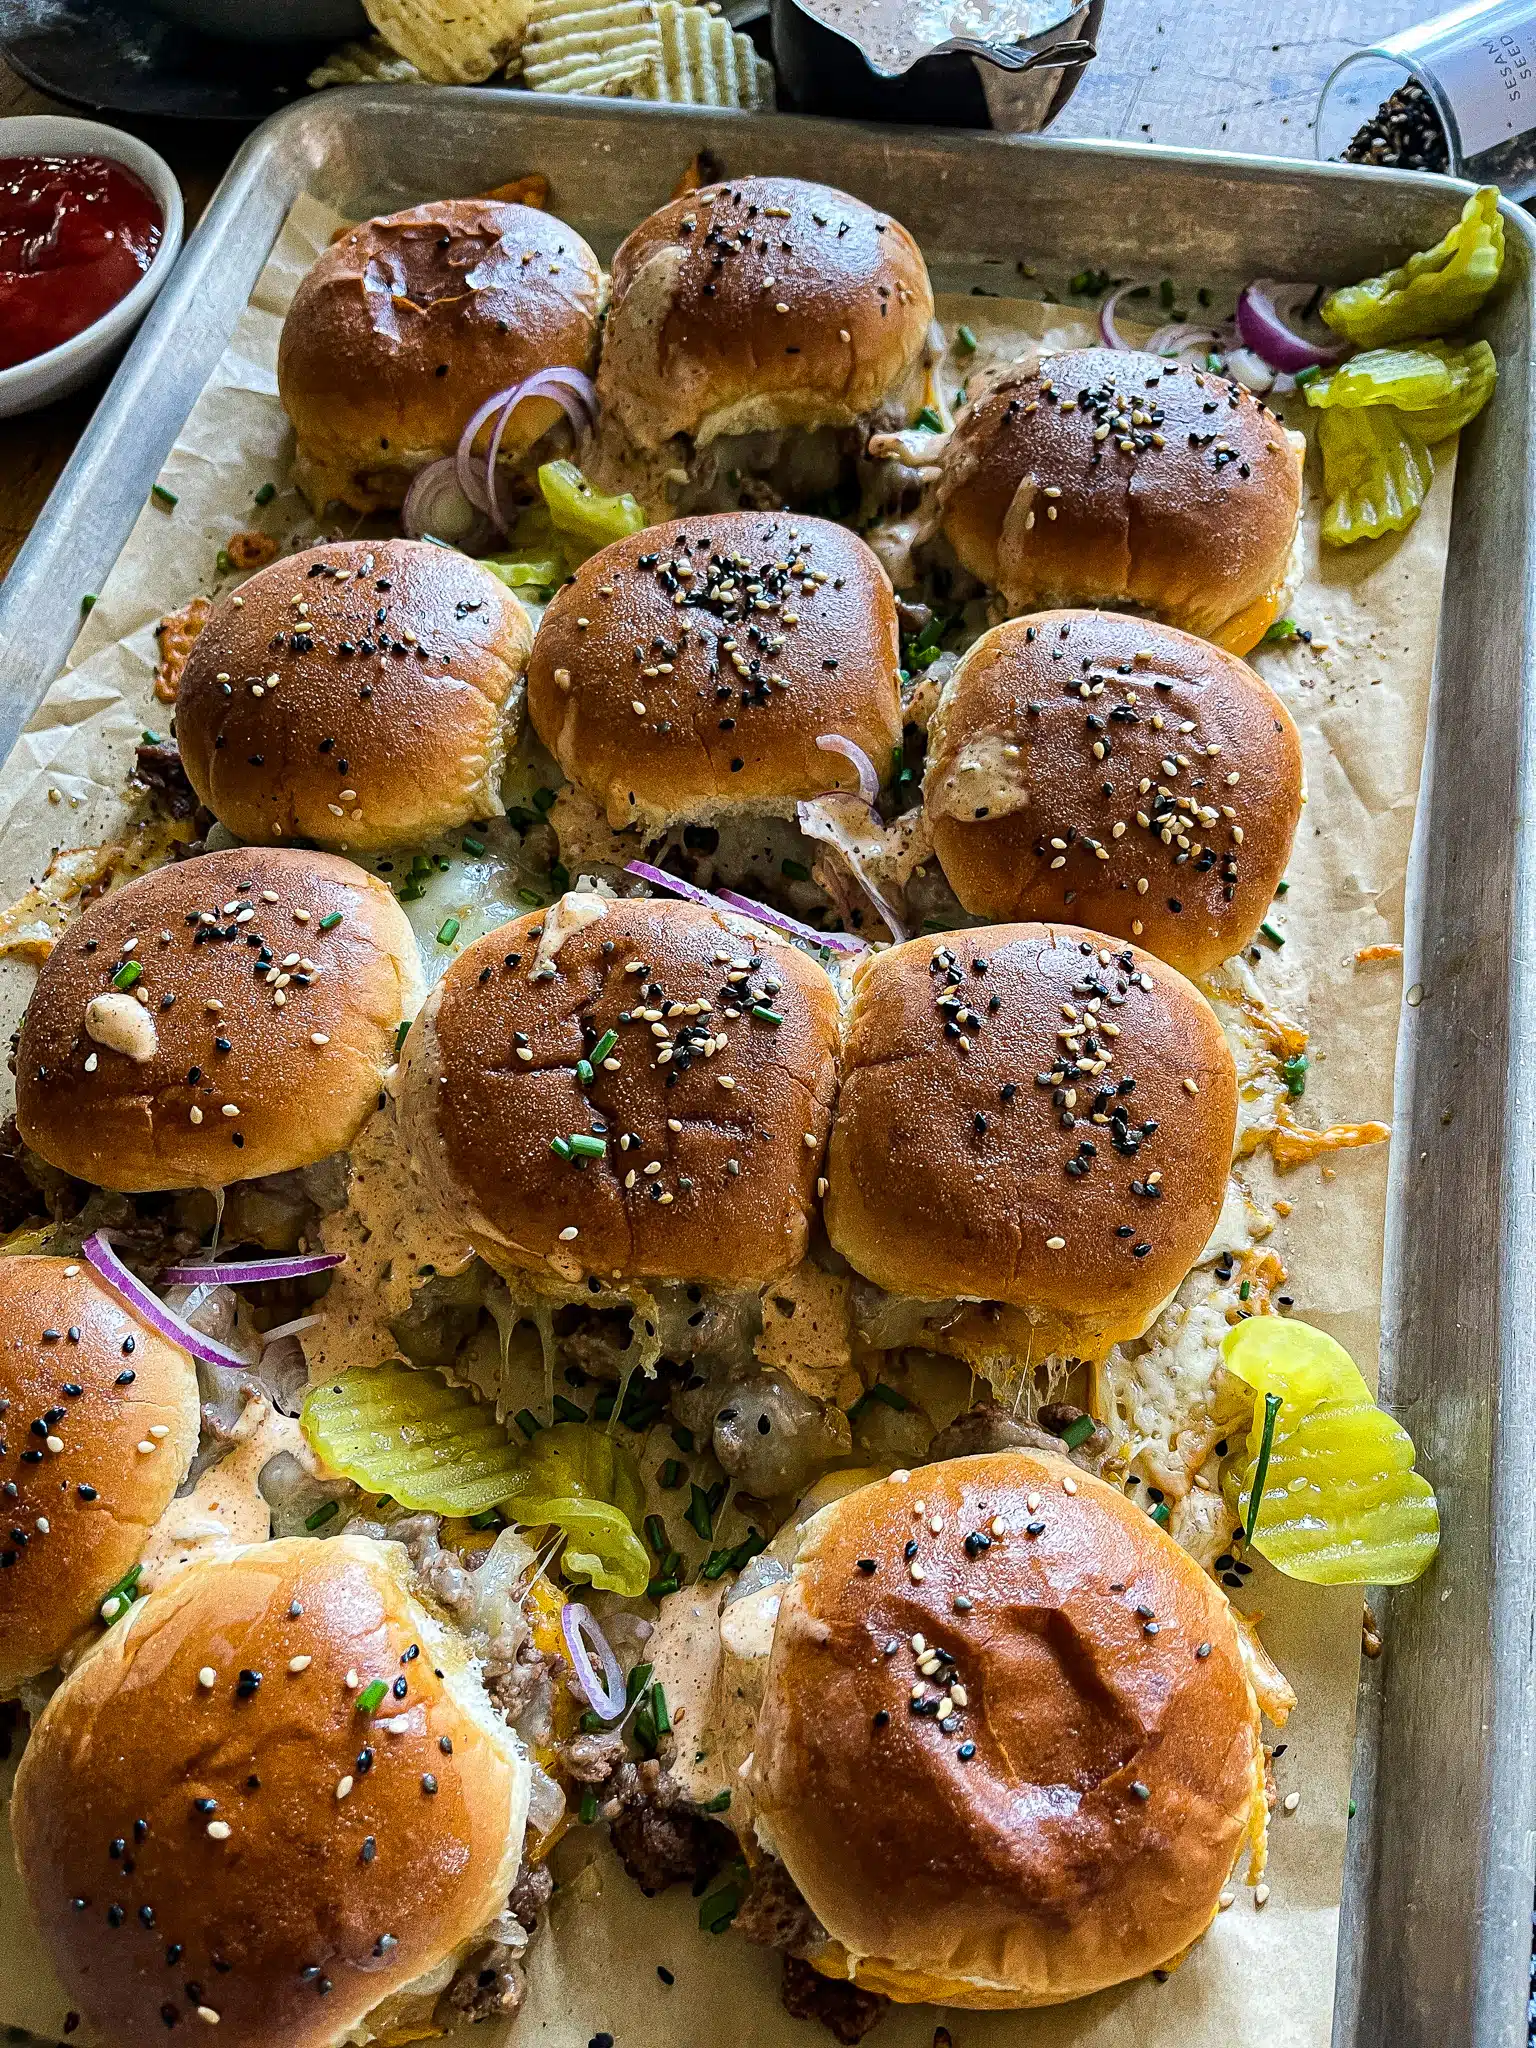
1434,291
1376,472
398,1430
583,518
1341,1504
1438,386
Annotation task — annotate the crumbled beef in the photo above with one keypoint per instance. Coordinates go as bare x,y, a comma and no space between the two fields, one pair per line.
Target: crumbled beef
988,1427
157,767
531,1894
523,1686
660,1839
911,617
843,2009
29,1187
589,1759
774,1915
490,1985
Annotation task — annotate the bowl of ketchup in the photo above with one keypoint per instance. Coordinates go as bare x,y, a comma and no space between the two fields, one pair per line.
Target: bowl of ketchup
90,224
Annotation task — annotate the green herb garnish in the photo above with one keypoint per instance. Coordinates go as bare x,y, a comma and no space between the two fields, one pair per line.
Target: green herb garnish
1294,1074
371,1698
1261,1469
265,494
327,1511
127,974
1078,1432
164,497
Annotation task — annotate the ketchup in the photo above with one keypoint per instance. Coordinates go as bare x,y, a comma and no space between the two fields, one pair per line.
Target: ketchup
76,235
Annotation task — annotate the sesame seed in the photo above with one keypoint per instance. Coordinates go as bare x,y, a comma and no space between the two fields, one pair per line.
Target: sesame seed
1290,1802
343,1787
300,1663
570,1231
208,1678
219,1830
1261,1892
145,1447
1055,1244
207,2014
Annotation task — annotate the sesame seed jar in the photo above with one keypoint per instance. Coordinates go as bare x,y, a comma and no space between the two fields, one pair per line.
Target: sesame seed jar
1457,94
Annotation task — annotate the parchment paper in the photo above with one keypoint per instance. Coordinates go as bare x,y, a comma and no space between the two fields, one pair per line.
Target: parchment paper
1262,1978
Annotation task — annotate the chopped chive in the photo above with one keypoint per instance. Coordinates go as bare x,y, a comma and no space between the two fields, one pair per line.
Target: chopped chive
543,799
88,602
400,1031
329,922
151,739
528,1422
719,1803
223,562
716,1565
697,1513
448,931
530,897
660,1711
1245,1290
588,1148
1351,1809
1275,938
561,1147
559,877
719,1909
1077,1432
1282,888
1159,1514
472,845
584,1073
1165,294
587,1811
764,1015
1293,1072
1261,1469
127,974
656,1535
603,1047
371,1698
930,419
265,494
412,892
592,1724
658,1589
120,1598
604,1405
490,1518
636,1683
164,497
568,1410
682,1436
326,1512
1309,375
644,1728
670,1477
966,339
520,818
795,870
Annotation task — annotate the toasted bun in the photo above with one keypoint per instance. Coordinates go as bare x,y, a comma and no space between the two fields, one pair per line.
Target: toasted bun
697,343
1117,772
78,1368
788,630
405,325
284,1923
302,715
1193,522
940,1184
188,1113
1114,1770
731,1204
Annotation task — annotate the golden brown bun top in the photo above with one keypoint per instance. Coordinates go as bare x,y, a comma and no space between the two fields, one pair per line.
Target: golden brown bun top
969,1137
1074,1826
1193,521
78,1369
761,303
353,695
300,1885
1118,772
787,630
235,1084
727,1197
407,323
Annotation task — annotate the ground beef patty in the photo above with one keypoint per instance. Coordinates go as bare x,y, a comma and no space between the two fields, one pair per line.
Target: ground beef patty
843,2009
660,1838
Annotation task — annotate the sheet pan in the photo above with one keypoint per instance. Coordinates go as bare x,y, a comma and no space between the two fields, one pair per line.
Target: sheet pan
1435,1933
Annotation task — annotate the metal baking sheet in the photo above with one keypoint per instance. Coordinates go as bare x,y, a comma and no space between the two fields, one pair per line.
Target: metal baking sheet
1435,1940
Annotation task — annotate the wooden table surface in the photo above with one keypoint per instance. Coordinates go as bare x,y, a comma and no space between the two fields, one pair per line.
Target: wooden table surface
1224,74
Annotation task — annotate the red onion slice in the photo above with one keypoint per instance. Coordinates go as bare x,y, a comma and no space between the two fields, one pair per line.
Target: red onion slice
437,503
869,780
1109,333
154,1311
1265,310
835,942
660,879
1180,335
571,389
818,820
231,1272
585,1641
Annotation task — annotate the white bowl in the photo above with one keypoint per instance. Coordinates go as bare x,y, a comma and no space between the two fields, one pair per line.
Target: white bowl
26,386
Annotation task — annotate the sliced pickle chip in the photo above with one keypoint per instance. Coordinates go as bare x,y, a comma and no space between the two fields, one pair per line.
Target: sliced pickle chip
1438,386
1376,472
583,518
1433,292
1341,1504
399,1430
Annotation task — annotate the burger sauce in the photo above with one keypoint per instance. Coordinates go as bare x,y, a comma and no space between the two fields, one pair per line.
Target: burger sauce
76,235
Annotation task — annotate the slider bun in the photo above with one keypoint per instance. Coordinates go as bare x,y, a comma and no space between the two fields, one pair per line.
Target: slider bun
1015,793
94,1109
927,1204
837,666
418,755
695,343
1117,1772
278,1922
406,324
479,1120
52,1584
1184,530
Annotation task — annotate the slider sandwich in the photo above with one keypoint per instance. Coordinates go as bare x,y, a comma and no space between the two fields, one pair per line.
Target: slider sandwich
758,331
1110,477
